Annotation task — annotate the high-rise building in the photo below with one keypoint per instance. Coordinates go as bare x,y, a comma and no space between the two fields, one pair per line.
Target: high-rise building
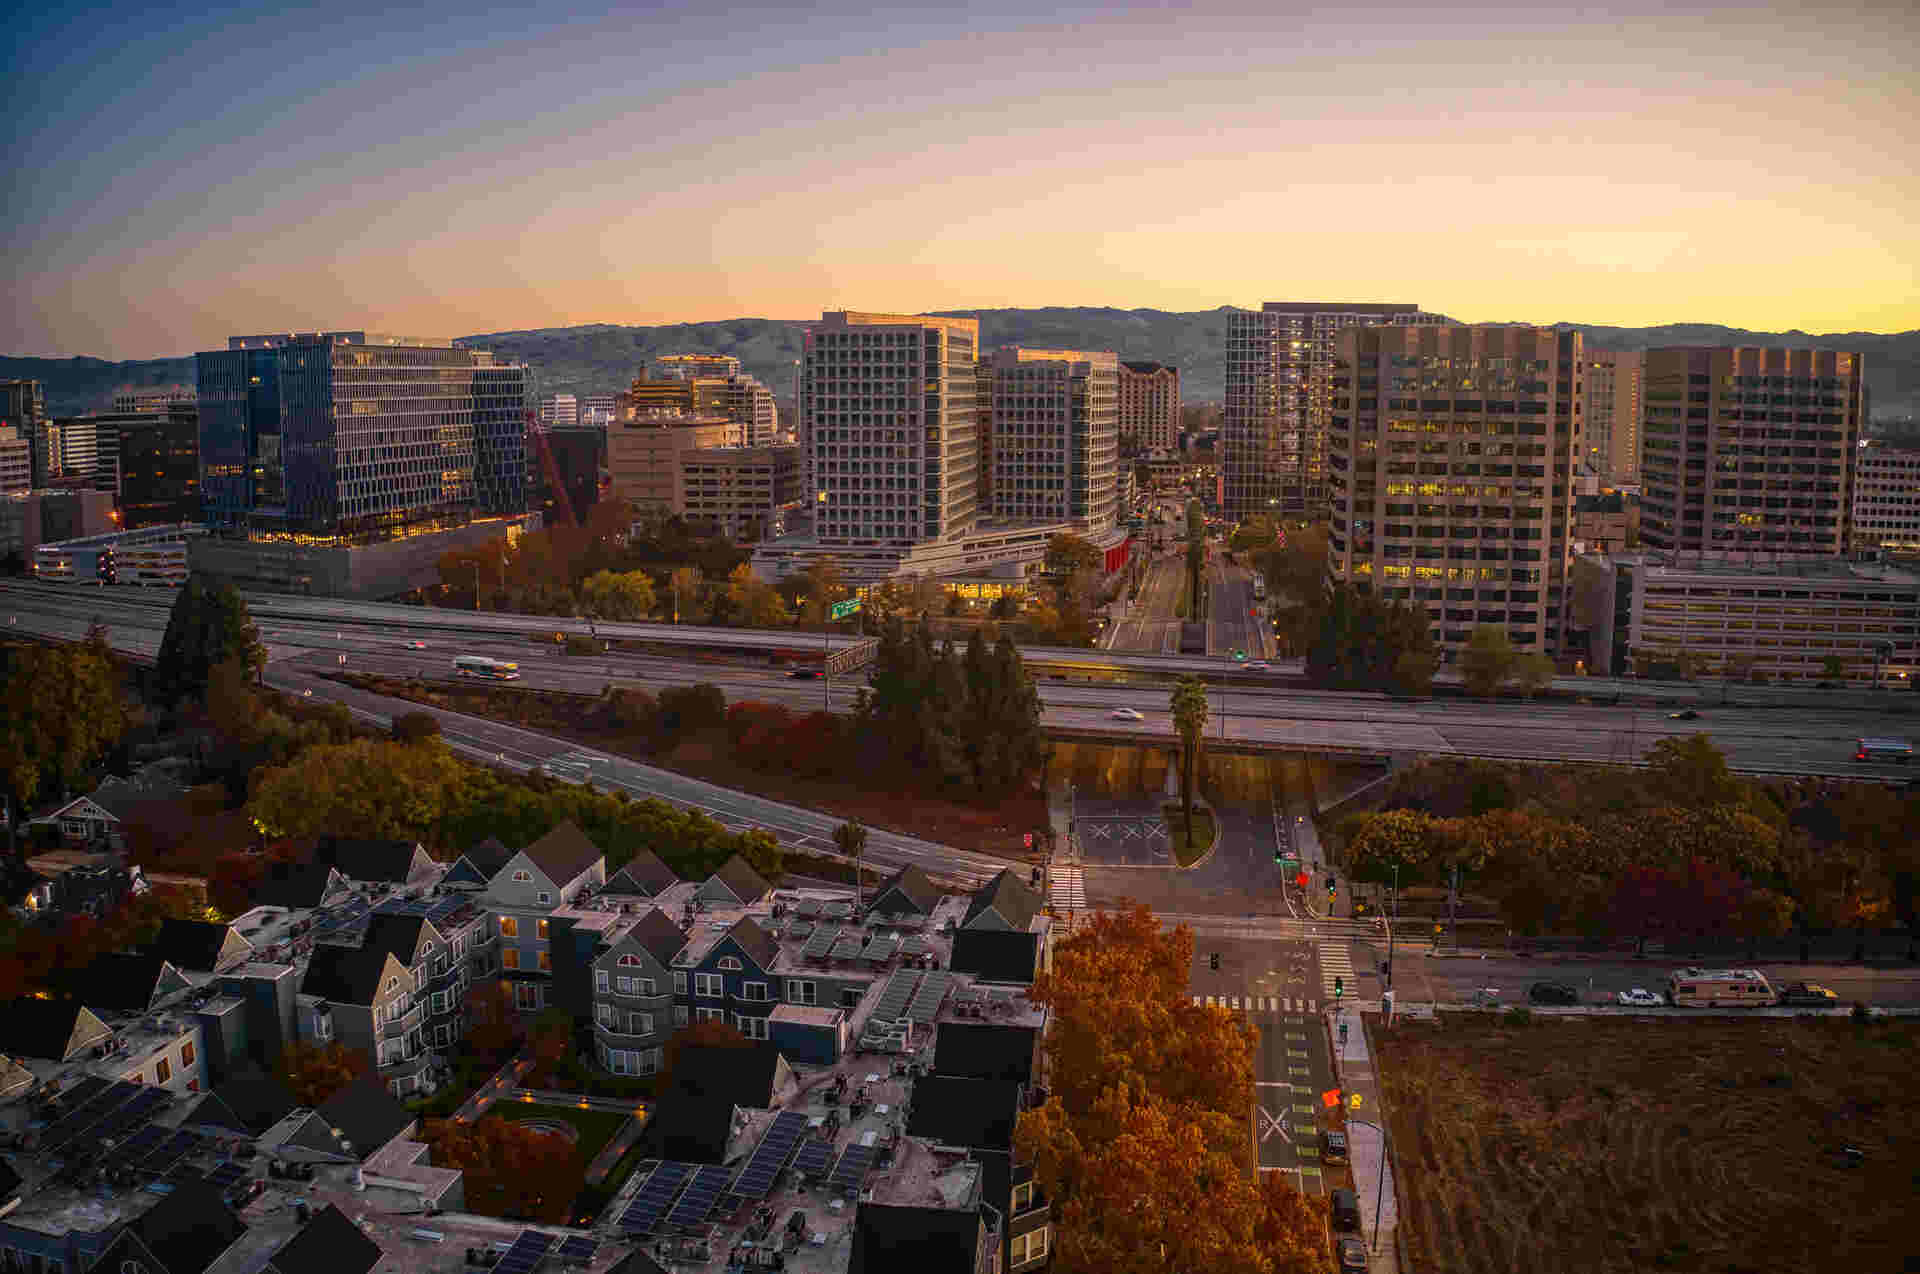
78,441
1451,458
1055,425
597,409
644,458
153,400
983,395
1749,450
354,433
1149,406
157,460
1274,434
16,460
175,419
1612,424
706,384
562,410
1886,497
23,404
891,427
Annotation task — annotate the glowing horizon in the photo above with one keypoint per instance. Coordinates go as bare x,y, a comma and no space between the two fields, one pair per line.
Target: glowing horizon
184,175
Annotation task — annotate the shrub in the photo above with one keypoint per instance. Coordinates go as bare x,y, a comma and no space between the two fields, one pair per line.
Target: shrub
696,707
578,645
415,727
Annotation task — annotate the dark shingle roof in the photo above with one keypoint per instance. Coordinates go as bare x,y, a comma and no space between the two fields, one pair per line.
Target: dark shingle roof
1007,894
366,1114
293,885
189,1229
993,955
760,946
258,1101
345,975
489,855
398,935
638,1262
689,1128
376,861
738,875
563,853
330,1244
740,1075
954,1111
984,1051
39,1029
659,936
646,875
119,796
118,980
9,1182
888,1238
190,944
908,890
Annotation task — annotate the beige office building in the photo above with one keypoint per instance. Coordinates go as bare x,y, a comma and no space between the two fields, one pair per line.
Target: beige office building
704,385
1749,450
1149,406
644,457
1056,440
742,492
1612,417
1450,472
1886,497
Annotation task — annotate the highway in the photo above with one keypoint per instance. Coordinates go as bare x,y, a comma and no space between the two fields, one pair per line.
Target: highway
1268,712
1232,627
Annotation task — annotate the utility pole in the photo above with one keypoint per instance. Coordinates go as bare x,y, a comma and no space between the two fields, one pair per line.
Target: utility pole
1393,923
1453,900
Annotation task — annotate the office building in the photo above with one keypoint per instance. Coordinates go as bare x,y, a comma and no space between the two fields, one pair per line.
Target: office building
579,458
16,460
597,410
983,395
705,385
1886,497
1149,407
1279,402
1054,419
29,519
1603,522
644,458
157,464
152,400
77,440
1451,459
149,555
174,420
744,493
1749,450
561,410
1612,416
23,405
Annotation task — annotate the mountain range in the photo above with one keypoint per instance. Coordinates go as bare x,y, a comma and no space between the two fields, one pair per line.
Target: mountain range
604,357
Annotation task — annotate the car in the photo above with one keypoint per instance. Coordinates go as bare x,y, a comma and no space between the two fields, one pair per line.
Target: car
1808,993
1124,714
805,674
1259,665
416,645
1345,1206
1552,993
1685,714
1353,1257
1641,998
1333,1146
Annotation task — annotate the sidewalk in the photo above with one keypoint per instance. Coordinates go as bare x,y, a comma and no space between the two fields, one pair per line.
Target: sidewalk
1372,1169
505,1080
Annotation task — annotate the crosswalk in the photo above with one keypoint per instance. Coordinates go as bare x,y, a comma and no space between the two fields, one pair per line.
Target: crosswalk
1336,961
1067,888
1258,1003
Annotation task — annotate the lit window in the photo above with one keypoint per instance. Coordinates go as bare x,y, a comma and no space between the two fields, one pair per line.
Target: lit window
510,958
522,876
509,927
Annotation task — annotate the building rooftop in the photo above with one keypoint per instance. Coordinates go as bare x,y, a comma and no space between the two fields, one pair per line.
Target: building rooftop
1758,565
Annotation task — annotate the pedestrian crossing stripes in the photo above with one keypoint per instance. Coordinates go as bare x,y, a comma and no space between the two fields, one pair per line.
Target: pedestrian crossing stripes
1067,888
1336,961
1258,1003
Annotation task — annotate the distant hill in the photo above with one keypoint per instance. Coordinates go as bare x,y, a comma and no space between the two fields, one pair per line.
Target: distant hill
603,358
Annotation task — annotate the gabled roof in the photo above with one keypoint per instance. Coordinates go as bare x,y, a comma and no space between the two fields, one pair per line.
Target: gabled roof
376,861
756,943
563,853
118,796
397,935
189,1229
984,1051
480,864
638,1262
345,975
740,1075
48,1030
908,890
366,1114
1009,897
646,876
889,1238
9,1182
293,885
688,1127
659,937
123,980
196,944
995,955
738,875
259,1101
976,1113
330,1244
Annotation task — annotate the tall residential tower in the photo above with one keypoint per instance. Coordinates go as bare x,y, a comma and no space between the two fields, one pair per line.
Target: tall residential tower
1149,406
1612,423
1055,431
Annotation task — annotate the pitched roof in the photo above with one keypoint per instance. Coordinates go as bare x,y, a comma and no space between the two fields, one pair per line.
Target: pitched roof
39,1029
646,875
191,944
740,1075
480,864
345,975
330,1244
563,853
9,1181
907,890
738,875
120,980
887,1238
366,1114
689,1128
293,885
383,861
638,1262
984,1050
995,955
955,1111
259,1100
659,936
397,935
1008,895
189,1229
118,796
759,945
491,852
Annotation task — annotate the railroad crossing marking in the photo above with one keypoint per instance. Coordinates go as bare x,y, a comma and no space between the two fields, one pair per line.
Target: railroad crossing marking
1270,1124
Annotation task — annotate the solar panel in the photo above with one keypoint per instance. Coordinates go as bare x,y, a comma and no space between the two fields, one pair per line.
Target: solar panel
143,1143
528,1250
808,907
851,1172
840,910
821,942
226,1174
848,946
927,1000
84,1116
893,1000
88,1088
881,949
135,1114
656,1196
800,929
575,1248
174,1149
696,1205
915,945
771,1156
813,1159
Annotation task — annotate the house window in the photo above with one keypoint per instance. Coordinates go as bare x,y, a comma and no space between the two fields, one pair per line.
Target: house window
626,986
1030,1246
392,983
679,1015
439,999
632,962
162,1071
510,958
546,962
426,948
800,992
605,1013
649,1059
186,1053
679,984
600,981
521,877
442,1036
729,965
756,991
543,898
754,1028
710,1015
850,996
526,995
639,1023
644,986
509,927
1023,1196
323,1026
708,986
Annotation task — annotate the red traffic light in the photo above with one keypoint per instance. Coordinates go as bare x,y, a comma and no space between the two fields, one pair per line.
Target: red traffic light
1301,880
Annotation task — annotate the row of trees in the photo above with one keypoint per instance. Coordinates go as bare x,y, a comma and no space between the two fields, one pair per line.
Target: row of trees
33,957
1142,1142
61,709
1362,641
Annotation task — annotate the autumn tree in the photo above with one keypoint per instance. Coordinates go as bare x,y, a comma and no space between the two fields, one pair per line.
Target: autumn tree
617,595
1691,771
315,1072
208,625
1068,553
1488,660
365,788
1532,673
752,602
63,708
509,1170
685,587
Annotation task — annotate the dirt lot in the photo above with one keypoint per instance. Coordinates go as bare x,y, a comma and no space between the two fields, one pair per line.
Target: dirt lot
1586,1144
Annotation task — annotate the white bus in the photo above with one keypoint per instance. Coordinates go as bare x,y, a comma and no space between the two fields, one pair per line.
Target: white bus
1719,988
481,666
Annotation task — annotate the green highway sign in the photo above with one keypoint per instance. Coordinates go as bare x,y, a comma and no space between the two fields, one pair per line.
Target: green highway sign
843,609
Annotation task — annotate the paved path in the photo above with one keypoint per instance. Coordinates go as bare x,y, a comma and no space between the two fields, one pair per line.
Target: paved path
1372,1169
507,1077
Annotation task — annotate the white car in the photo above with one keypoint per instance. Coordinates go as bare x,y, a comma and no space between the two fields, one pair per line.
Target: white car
1124,714
1641,998
1259,665
416,645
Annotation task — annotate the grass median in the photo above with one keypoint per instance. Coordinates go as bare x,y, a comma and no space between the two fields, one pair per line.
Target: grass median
1189,842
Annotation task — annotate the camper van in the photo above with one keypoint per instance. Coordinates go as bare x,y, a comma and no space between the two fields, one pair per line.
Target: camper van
1719,989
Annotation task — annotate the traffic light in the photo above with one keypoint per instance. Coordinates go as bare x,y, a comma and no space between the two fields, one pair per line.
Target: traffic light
1276,853
1213,961
1339,987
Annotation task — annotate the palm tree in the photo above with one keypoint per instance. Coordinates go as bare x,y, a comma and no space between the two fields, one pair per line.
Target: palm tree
1189,707
851,837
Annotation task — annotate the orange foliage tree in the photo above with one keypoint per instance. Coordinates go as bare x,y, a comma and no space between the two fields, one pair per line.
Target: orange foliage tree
510,1170
315,1072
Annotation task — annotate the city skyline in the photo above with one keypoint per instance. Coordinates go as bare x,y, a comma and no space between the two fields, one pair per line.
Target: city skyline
206,172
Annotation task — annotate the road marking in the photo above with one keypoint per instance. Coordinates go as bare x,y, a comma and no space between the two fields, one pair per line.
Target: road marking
1270,1124
1067,888
1336,961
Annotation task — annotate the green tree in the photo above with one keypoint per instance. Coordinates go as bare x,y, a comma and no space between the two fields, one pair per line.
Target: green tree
60,708
208,625
367,788
1692,773
1413,673
617,595
1532,672
1833,668
825,585
685,586
1189,708
753,602
1487,661
1358,640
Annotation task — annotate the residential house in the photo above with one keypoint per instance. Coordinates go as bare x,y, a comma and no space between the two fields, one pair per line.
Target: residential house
328,1244
299,886
376,862
363,998
98,817
523,896
931,1240
478,865
200,946
736,884
445,942
185,1233
729,977
633,998
978,1116
905,896
1004,936
122,981
638,1261
249,1103
983,1050
50,1030
645,877
1005,903
353,1125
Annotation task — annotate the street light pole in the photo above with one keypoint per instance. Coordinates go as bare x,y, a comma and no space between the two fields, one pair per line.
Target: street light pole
1392,922
1380,1180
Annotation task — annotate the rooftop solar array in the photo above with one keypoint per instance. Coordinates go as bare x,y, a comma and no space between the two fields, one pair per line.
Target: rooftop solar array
839,910
577,1249
350,914
881,949
88,1113
800,929
135,1114
527,1251
926,1001
813,1159
848,947
656,1196
143,1143
702,1193
915,945
757,1178
183,1171
851,1172
894,1000
88,1088
226,1175
436,910
172,1151
808,907
821,942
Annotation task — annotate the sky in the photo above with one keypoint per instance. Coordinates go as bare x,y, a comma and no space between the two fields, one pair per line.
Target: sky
179,174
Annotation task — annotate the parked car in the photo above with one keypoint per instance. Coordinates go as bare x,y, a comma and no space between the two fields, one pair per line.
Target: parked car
1808,993
1124,714
1641,998
1685,714
805,674
416,645
1552,993
1346,1210
1333,1146
1259,665
1353,1257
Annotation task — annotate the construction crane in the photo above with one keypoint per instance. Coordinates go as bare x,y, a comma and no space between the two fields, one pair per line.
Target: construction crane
551,469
